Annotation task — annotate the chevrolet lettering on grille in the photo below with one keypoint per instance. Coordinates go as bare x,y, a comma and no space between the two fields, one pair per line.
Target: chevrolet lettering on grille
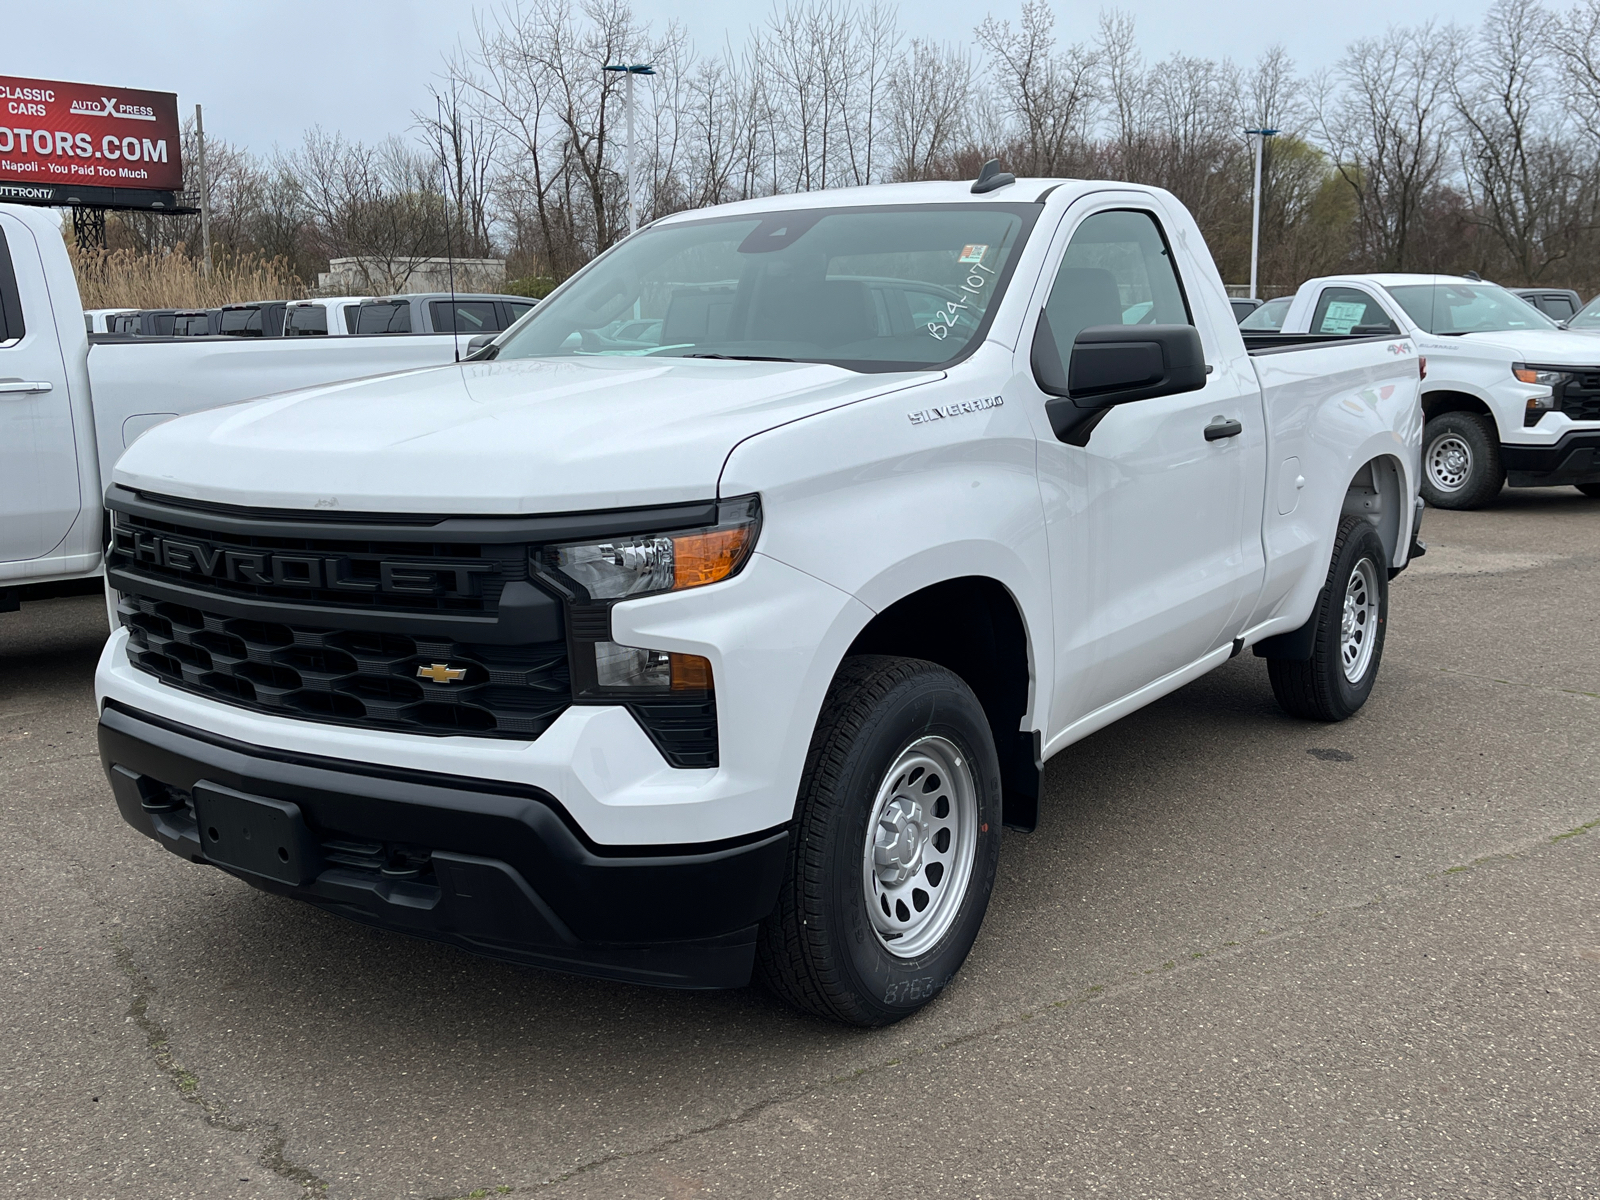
271,568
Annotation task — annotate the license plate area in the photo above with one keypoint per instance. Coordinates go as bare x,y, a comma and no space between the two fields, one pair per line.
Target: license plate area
256,834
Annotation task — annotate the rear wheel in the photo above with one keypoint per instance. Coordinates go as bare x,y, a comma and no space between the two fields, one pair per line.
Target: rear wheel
1347,647
1461,461
894,846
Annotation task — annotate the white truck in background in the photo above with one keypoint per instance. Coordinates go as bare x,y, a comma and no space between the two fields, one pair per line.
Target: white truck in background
728,645
70,404
1510,396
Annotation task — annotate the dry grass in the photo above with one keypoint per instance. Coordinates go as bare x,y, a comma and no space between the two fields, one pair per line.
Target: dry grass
128,279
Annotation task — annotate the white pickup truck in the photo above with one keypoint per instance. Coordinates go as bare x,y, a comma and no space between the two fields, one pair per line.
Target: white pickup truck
71,403
734,652
1510,397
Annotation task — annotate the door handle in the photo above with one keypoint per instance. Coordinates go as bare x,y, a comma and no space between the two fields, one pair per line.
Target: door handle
1221,428
21,387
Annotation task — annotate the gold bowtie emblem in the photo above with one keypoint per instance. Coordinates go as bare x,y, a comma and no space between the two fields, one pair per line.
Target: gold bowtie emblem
441,673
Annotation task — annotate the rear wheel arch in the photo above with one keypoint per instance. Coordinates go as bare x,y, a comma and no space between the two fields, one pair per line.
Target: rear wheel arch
1377,492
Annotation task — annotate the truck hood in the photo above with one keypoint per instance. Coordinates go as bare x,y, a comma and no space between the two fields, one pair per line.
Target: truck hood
525,436
1548,347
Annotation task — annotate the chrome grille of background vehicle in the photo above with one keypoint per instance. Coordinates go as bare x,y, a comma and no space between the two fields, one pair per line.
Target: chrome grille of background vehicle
349,677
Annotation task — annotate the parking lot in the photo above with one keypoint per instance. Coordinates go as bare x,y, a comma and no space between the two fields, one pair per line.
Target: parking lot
1242,956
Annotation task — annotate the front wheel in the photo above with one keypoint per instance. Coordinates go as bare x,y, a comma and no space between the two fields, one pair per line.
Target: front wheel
1461,465
894,846
1347,646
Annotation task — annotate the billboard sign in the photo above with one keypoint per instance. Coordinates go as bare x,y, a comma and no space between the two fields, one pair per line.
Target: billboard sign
60,138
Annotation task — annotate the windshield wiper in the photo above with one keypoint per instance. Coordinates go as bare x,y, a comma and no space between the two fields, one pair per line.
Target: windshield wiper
740,357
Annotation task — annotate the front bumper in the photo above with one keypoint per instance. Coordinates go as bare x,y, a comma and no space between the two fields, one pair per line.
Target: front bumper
1575,458
492,867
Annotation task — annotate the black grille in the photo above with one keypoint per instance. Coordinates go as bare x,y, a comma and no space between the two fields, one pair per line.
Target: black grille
1580,398
350,677
373,574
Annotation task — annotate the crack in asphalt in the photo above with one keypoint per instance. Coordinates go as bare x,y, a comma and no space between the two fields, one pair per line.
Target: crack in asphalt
273,1156
1058,1007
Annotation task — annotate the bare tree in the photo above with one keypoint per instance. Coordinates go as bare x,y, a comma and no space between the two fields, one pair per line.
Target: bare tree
1387,116
930,94
1051,96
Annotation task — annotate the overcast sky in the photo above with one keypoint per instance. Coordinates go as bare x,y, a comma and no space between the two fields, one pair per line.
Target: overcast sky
268,70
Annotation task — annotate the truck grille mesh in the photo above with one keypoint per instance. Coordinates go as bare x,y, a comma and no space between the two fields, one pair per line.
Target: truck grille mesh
1580,399
349,677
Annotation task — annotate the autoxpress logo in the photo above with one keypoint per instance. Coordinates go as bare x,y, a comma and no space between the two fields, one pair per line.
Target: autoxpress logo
108,106
205,560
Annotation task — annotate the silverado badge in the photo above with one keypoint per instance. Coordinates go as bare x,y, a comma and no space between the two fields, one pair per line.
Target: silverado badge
441,673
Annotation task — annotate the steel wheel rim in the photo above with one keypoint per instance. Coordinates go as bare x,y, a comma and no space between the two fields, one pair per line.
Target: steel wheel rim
914,888
1358,632
1449,462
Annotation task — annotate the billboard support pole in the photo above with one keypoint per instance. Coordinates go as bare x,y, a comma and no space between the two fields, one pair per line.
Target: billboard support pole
89,228
205,191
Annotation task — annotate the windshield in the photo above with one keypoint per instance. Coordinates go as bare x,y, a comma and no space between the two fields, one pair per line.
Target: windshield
1269,316
1588,316
870,289
1457,308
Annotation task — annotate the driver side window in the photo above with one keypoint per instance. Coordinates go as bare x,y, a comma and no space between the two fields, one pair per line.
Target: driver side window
1117,271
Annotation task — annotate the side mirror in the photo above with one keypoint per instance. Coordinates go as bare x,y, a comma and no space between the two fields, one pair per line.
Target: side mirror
1111,365
479,342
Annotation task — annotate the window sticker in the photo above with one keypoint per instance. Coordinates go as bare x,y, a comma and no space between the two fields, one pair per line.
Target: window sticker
1343,316
972,254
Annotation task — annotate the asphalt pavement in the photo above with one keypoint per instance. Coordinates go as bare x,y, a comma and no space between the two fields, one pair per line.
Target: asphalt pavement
1242,956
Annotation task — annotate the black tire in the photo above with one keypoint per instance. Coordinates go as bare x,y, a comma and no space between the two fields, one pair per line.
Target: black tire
1589,489
1446,482
821,950
1318,688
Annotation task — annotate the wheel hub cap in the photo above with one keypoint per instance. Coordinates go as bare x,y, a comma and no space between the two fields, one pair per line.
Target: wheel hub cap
920,846
1358,629
902,835
1449,463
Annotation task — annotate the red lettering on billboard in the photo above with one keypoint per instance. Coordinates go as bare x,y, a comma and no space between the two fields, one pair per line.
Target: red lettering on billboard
79,133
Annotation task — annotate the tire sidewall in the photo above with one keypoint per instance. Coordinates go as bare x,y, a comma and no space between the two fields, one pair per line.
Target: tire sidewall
888,986
1363,542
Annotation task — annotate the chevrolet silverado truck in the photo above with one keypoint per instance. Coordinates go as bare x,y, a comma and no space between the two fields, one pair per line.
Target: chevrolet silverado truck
1511,397
729,648
71,401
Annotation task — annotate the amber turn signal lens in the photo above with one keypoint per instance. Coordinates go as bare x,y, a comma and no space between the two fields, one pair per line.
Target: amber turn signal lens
1526,376
690,673
702,558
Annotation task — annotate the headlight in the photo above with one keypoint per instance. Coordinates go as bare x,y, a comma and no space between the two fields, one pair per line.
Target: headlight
1542,376
624,567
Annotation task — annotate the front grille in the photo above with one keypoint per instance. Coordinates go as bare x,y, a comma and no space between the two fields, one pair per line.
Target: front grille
301,615
384,575
1580,398
349,677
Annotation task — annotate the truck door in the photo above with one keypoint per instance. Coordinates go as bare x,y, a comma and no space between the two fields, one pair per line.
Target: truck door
1154,523
38,458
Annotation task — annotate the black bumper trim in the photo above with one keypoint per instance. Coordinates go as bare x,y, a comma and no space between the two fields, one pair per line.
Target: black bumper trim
1573,459
504,873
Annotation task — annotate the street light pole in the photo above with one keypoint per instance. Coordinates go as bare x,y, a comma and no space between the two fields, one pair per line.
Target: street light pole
205,193
1261,136
631,69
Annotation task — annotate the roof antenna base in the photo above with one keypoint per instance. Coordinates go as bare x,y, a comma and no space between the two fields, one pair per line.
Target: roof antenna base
992,178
